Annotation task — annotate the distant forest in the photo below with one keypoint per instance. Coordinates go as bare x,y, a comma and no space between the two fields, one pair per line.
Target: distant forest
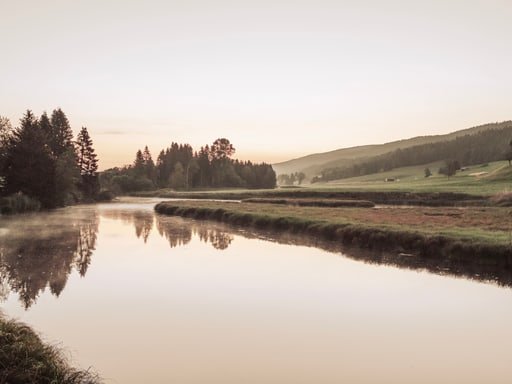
42,165
180,167
482,147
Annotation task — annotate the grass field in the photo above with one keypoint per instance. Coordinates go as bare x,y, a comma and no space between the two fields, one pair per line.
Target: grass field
494,178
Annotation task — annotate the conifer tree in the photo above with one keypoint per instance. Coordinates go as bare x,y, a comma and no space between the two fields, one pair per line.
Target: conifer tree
30,168
138,164
149,165
87,163
6,133
61,138
45,125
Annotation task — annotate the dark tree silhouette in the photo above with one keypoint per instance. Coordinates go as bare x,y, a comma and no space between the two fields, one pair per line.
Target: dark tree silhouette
221,149
30,167
87,164
61,138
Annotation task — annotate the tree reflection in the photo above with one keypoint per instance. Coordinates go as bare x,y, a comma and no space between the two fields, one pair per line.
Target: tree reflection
142,220
177,231
41,250
219,240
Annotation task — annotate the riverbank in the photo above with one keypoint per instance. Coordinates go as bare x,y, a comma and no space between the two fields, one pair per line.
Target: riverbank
25,358
483,233
428,199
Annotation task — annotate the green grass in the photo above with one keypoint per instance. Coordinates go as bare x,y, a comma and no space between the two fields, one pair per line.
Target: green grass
312,202
497,179
24,358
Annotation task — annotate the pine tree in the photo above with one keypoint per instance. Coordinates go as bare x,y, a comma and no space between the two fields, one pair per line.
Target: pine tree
45,125
61,138
6,133
87,163
149,165
138,164
30,167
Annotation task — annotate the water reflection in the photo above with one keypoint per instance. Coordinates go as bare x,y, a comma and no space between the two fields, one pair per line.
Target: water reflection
488,271
40,251
176,231
142,220
181,232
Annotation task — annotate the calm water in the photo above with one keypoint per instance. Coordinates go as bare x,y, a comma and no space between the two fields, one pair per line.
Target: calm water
150,299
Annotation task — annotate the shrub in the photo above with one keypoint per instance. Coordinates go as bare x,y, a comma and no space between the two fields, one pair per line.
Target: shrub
18,203
105,195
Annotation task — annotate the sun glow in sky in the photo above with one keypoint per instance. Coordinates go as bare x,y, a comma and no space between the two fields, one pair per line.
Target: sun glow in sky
280,79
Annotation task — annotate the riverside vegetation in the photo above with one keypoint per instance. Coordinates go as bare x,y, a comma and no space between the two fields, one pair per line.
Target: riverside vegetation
42,166
25,358
483,233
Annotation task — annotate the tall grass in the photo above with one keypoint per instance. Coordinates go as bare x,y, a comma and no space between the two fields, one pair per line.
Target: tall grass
24,358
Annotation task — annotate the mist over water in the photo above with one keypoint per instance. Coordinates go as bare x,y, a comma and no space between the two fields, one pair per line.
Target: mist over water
147,298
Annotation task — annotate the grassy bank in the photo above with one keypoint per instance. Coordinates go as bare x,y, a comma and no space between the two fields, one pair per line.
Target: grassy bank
462,233
432,199
312,202
24,358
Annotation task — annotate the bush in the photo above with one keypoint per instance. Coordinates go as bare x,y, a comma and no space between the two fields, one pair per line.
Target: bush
105,195
18,203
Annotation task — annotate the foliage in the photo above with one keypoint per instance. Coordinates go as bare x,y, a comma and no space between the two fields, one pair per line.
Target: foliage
30,166
179,167
87,164
18,203
449,168
285,179
40,160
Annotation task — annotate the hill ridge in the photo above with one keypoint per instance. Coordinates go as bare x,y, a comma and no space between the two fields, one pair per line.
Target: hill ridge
313,163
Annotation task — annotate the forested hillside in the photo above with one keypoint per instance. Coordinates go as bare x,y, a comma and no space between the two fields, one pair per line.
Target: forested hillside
312,165
484,146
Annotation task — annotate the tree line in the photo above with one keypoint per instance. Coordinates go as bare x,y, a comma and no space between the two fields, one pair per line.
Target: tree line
482,147
291,179
180,167
41,159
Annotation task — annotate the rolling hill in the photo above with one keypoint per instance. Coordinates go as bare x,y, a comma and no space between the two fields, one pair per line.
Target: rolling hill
313,164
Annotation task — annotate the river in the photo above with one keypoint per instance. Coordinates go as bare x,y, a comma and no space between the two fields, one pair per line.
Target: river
143,298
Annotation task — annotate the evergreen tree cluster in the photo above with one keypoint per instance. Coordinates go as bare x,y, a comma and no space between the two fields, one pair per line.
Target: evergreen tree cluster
41,160
291,179
180,167
482,147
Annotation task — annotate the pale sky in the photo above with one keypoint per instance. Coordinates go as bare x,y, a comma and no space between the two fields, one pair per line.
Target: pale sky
280,79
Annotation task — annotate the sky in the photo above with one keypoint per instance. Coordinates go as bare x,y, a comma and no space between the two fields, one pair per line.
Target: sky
279,79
